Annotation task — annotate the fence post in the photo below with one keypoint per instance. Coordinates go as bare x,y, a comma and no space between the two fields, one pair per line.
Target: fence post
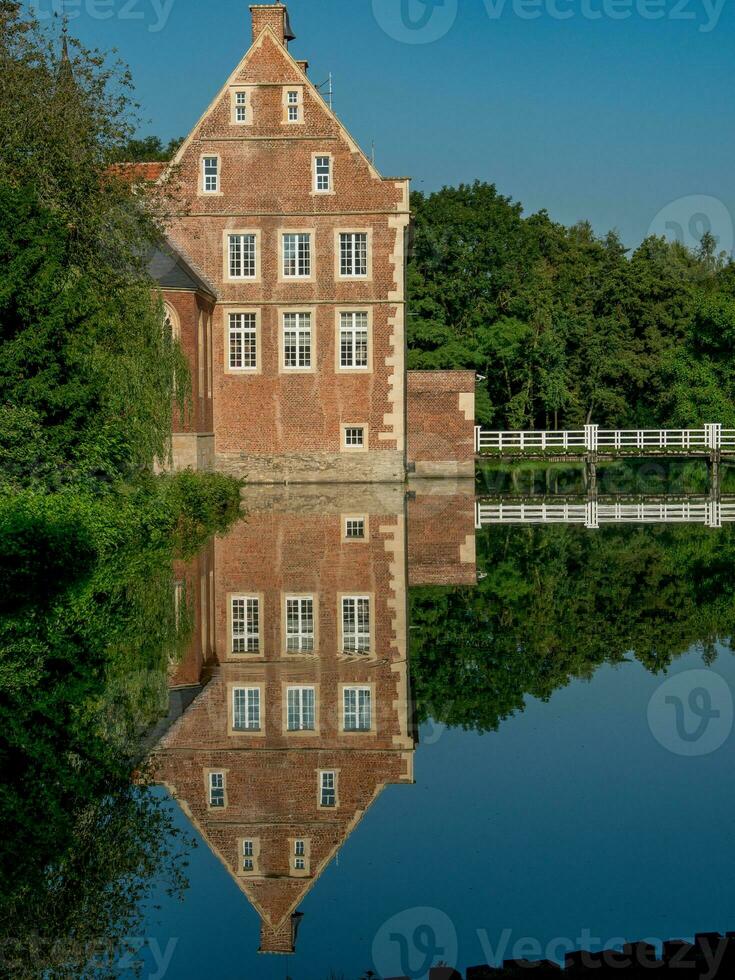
591,438
592,519
478,430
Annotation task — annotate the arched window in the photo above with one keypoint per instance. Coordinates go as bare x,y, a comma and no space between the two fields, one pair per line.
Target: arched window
171,318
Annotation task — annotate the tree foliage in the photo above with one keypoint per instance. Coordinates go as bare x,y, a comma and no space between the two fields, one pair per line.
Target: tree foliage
566,326
556,603
88,630
87,369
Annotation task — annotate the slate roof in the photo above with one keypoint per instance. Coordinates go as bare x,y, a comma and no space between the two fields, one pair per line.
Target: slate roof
168,267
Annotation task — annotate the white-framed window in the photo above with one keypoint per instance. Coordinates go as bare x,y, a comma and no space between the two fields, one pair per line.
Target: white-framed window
353,340
353,254
354,437
355,528
216,790
299,624
210,175
301,709
248,855
356,624
358,708
328,789
241,107
242,256
243,342
297,255
245,624
299,860
246,709
323,174
297,341
293,106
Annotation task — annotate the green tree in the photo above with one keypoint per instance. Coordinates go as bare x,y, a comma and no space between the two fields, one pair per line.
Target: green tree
83,343
555,604
565,326
88,629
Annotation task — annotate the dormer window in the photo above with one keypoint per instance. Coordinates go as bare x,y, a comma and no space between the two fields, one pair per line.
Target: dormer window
210,175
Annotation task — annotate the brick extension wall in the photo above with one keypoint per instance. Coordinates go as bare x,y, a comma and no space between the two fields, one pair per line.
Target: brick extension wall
441,423
441,535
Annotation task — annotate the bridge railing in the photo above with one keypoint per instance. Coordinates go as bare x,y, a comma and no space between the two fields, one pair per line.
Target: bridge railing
593,439
592,514
525,441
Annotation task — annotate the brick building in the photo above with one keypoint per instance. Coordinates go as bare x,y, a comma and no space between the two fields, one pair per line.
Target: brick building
299,713
298,247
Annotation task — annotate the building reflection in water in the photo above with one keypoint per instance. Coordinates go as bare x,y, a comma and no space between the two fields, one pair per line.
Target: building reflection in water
291,711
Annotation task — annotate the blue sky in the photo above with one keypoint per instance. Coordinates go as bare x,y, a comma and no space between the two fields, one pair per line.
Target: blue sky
613,113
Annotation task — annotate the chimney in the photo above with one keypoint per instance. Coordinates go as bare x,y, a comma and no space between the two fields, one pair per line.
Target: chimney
304,66
275,16
282,939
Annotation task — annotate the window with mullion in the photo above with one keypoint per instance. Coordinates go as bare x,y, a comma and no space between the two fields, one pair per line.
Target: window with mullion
297,255
210,174
243,258
246,709
353,340
245,625
297,341
243,342
216,790
323,166
356,624
301,709
300,625
241,107
357,709
328,789
353,254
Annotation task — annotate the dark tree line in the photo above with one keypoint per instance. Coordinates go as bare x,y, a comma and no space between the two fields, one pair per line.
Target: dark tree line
557,602
568,327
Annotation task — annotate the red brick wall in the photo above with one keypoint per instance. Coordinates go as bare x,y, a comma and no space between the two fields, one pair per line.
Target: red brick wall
441,424
441,538
271,779
266,185
189,307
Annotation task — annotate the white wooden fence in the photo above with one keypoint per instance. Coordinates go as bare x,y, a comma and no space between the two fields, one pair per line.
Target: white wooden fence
592,514
594,439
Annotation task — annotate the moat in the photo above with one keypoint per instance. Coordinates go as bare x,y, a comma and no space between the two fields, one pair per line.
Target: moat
397,739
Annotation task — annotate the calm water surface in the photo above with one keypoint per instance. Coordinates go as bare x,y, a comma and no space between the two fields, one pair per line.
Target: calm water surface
392,738
547,796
